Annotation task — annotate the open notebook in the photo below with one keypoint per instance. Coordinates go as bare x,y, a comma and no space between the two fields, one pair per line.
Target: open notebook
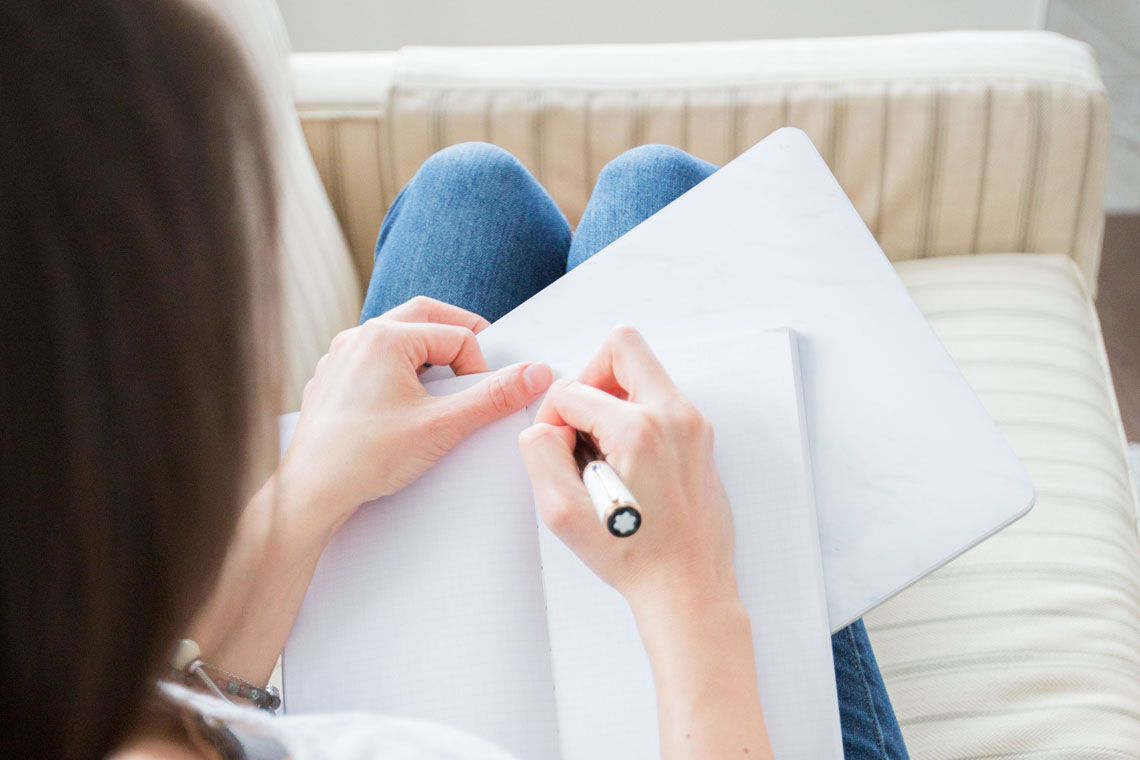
451,602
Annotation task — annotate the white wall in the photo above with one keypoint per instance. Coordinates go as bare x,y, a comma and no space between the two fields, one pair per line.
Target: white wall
389,24
1112,27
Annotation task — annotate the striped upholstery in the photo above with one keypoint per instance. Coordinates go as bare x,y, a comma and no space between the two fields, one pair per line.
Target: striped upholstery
1029,645
946,143
320,289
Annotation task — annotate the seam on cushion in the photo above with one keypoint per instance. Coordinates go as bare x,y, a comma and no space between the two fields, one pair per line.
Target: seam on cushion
1043,366
1104,578
1036,313
488,122
381,183
1054,262
1133,628
737,118
1111,506
1114,477
1076,297
1032,157
884,142
1061,752
637,126
1085,160
1015,532
1058,423
588,143
983,174
1062,707
929,174
1097,501
684,119
1019,657
838,126
1048,340
1056,427
1094,382
984,391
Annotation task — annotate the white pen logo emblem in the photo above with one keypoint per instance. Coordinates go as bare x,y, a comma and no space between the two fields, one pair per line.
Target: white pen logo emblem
626,522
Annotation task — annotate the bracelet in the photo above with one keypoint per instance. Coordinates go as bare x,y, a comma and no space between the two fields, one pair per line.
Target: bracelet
188,667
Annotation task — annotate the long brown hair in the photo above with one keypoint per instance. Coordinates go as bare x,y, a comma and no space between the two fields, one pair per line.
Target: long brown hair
137,223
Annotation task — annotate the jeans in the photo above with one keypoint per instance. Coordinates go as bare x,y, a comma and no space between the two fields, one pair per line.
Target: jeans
475,229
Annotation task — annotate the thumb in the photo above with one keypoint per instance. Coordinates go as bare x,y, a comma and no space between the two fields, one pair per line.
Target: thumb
502,393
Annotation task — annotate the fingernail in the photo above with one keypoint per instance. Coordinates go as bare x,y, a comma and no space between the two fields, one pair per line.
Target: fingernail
537,378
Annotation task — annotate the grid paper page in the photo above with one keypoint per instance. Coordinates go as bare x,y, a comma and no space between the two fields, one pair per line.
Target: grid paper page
604,686
428,603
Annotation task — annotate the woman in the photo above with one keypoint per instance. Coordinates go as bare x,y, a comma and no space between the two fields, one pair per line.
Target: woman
137,227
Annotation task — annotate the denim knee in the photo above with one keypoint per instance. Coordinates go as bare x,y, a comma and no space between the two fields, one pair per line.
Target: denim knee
650,159
490,162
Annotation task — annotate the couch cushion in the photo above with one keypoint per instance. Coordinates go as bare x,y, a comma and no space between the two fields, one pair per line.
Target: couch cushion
1028,645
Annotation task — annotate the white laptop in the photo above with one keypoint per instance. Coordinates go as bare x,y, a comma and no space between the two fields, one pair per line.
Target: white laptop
909,469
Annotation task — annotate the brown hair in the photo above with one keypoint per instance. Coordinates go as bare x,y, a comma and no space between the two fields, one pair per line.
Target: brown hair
137,220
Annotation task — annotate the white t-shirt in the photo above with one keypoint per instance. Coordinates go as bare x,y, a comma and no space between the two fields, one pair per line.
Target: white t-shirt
342,736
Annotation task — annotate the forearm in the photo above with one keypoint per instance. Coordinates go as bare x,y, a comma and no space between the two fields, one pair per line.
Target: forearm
705,673
244,624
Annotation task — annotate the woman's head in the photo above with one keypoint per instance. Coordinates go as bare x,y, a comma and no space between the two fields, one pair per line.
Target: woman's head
137,224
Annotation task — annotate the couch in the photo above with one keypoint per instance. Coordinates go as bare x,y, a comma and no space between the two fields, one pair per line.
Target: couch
976,159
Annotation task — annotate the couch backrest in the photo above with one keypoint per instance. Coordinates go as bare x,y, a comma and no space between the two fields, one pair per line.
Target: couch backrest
950,143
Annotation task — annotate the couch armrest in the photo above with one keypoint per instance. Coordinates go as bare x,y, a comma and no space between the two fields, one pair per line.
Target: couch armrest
948,143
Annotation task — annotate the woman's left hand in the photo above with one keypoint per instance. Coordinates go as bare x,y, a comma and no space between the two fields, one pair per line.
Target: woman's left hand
369,428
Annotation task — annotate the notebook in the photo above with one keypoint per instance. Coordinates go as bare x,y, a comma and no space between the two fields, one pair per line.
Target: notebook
910,470
450,601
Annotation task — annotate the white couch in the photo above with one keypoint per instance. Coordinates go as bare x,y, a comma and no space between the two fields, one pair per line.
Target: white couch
978,161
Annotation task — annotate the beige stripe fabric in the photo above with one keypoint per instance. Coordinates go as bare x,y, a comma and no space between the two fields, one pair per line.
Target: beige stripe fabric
951,143
1028,646
320,289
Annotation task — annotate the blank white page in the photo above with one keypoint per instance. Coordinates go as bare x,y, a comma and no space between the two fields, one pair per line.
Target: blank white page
749,390
428,603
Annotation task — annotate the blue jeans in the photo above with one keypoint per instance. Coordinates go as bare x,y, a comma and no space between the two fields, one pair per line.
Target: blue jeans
475,229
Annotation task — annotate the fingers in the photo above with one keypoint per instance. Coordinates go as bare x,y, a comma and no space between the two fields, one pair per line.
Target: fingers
438,344
586,408
626,362
548,453
494,397
424,309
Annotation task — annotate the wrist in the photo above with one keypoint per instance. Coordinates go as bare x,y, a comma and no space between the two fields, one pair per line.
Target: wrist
678,613
304,518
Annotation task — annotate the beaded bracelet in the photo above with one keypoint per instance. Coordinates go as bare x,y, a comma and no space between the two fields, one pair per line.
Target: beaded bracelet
187,666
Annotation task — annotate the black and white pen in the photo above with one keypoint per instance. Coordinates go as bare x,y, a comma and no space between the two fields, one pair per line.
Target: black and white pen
615,505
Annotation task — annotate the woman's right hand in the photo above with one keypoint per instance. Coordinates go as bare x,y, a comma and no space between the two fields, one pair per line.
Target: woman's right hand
662,448
676,570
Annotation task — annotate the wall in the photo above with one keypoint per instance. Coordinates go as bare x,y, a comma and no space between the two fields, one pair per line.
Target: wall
389,24
1112,27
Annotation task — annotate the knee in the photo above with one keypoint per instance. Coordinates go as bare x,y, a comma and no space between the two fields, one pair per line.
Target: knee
653,159
468,161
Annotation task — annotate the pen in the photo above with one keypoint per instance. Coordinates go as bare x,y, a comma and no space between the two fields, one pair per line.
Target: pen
615,505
